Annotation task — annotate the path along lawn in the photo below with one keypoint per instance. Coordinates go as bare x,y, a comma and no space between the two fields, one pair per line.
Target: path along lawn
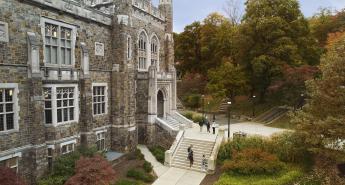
288,176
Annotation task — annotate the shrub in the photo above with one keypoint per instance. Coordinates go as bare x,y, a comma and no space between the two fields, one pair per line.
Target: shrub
9,177
188,115
197,118
192,100
158,152
135,155
147,167
140,175
53,180
253,161
91,171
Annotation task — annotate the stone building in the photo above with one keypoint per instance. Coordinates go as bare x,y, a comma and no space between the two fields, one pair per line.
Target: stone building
98,73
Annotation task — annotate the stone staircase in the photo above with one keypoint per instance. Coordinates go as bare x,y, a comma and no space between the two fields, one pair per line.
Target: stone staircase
199,148
271,115
172,122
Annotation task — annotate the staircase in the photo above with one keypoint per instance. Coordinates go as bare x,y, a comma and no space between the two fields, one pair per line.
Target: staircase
172,122
199,148
271,115
223,108
179,104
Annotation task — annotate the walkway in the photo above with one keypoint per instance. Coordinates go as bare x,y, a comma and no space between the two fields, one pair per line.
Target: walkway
171,176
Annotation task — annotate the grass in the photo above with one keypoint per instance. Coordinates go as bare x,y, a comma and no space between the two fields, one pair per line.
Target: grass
289,176
283,122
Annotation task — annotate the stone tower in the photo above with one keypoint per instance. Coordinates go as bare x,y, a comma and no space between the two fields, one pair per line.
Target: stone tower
166,8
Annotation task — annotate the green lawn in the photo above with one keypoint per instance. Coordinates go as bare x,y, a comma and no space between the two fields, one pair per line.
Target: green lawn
287,177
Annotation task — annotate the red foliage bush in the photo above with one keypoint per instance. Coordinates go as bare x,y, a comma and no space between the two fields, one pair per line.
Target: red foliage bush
253,161
9,177
93,171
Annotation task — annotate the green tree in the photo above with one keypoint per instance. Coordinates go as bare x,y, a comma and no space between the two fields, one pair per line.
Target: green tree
226,80
275,33
322,119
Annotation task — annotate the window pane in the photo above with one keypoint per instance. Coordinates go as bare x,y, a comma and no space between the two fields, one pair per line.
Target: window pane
94,108
65,94
2,128
1,95
48,117
9,121
63,56
94,99
59,115
9,107
103,107
71,102
68,56
65,114
9,95
65,103
54,30
54,42
71,93
47,93
71,113
48,55
59,103
48,104
54,55
1,108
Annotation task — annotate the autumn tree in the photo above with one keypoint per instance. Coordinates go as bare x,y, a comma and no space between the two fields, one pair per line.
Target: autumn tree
9,177
92,171
226,80
322,119
275,33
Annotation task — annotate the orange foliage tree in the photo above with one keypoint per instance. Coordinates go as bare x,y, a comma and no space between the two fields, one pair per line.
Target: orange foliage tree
92,171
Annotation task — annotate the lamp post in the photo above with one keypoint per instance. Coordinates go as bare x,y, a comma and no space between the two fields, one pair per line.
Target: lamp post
229,117
253,99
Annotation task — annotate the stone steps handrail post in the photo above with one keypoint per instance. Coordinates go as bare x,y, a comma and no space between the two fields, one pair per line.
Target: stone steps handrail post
212,161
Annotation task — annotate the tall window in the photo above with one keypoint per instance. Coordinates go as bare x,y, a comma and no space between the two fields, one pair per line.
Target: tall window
100,141
129,48
142,52
6,109
60,104
10,163
99,100
154,51
58,43
67,148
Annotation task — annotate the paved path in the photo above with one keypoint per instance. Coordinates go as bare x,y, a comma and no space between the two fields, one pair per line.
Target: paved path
158,167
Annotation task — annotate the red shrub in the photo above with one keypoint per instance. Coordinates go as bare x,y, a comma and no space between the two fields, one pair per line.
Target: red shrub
253,161
9,177
92,171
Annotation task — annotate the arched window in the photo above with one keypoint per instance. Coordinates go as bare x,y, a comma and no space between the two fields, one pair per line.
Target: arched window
154,51
142,65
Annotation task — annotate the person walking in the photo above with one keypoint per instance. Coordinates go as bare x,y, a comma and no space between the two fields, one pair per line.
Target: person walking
188,150
191,158
214,125
204,163
201,123
208,126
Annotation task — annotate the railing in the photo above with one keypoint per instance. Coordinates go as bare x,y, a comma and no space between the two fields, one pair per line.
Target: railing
171,152
183,120
166,126
213,157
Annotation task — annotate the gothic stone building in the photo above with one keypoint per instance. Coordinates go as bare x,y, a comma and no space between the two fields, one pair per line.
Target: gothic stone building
82,72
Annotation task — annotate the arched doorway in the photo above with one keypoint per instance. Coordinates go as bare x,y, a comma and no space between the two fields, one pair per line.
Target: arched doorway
160,104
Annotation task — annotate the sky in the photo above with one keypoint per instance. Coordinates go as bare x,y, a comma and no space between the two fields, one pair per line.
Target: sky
188,11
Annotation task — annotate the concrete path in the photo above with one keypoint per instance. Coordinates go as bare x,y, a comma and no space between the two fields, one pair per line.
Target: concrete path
158,167
252,129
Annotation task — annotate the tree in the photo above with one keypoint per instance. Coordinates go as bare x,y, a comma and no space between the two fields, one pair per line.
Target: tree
233,11
92,171
226,80
9,177
275,33
322,119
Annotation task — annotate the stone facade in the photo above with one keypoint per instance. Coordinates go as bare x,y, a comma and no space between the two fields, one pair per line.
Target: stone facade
73,54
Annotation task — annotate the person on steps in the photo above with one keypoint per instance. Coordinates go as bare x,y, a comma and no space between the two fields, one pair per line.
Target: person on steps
188,150
191,158
201,123
208,126
214,126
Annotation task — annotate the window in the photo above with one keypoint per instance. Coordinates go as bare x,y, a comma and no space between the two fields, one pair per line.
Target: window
129,48
50,158
10,163
67,148
154,51
60,104
8,107
59,42
142,52
99,102
100,141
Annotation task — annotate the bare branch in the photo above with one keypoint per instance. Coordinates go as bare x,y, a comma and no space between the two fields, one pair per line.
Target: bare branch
232,8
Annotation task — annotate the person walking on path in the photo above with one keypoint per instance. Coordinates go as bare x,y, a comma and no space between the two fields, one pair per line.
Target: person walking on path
214,126
191,158
208,126
204,163
201,123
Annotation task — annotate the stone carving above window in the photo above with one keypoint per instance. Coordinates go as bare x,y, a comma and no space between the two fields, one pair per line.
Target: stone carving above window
3,32
99,49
